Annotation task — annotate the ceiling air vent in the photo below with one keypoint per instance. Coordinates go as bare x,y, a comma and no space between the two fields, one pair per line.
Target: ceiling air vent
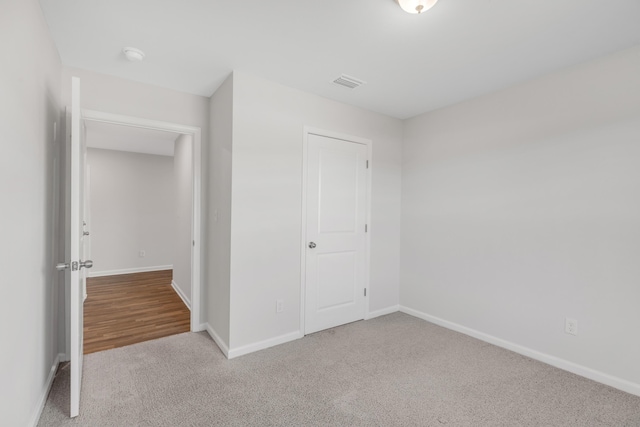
348,81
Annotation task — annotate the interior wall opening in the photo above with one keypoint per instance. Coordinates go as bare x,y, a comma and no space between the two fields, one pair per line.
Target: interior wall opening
141,219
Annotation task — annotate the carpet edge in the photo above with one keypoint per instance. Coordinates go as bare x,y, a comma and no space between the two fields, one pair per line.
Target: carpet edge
565,365
216,338
45,391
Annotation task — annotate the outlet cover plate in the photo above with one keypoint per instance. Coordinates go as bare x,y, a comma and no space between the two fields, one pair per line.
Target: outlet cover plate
570,326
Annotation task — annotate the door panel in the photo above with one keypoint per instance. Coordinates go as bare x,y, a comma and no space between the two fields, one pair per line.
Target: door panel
338,279
75,274
338,191
335,233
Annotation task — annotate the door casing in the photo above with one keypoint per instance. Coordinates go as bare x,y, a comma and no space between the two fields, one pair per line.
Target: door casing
303,231
196,225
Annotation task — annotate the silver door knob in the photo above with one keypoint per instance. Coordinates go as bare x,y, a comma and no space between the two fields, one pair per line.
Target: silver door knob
312,245
62,266
86,264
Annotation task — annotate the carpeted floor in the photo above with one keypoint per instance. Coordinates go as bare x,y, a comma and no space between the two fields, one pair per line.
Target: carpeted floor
395,370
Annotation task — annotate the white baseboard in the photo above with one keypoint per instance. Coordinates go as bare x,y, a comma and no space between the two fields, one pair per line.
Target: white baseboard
382,312
216,338
129,271
563,364
261,345
181,294
45,391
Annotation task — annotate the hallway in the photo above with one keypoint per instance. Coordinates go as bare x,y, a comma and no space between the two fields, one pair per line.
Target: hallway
131,308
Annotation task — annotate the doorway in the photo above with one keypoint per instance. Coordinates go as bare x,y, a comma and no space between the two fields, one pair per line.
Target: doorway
335,246
189,141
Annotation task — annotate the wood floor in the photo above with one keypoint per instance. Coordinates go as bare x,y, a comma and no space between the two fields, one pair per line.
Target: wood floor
131,308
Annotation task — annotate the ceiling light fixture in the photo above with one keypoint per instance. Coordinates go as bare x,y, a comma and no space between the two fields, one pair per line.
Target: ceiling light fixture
133,54
416,6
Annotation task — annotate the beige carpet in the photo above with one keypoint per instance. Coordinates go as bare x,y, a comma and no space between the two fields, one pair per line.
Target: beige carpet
395,370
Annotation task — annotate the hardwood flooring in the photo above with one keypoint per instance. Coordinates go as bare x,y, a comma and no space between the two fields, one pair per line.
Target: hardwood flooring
131,308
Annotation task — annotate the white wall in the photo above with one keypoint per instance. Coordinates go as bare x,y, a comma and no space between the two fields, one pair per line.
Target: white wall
119,96
521,207
182,210
132,209
30,226
219,237
268,121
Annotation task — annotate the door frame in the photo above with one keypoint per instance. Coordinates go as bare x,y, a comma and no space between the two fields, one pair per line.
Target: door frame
307,130
196,225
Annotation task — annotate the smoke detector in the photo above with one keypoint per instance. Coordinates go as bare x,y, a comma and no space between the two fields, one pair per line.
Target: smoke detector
133,54
348,81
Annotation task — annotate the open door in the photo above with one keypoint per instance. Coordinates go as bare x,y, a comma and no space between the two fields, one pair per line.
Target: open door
75,273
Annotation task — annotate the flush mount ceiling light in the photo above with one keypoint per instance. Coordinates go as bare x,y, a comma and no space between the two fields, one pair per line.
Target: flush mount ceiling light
416,6
133,54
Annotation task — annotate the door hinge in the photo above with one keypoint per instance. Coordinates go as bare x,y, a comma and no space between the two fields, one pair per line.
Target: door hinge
366,228
194,242
367,164
365,292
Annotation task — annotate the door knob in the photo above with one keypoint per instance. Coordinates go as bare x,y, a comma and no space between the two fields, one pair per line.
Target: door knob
62,266
312,245
85,233
86,264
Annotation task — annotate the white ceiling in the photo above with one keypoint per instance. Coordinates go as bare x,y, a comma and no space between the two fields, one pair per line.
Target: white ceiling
412,63
128,138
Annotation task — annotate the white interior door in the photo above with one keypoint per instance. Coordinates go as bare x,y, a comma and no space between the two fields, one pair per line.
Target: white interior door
336,242
74,265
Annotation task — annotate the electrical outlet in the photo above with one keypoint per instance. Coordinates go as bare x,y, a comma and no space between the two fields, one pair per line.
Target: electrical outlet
279,306
570,326
142,254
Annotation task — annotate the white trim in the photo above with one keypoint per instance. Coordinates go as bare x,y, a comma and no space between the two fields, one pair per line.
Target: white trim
336,135
307,130
216,338
196,226
181,294
67,232
45,391
101,116
129,270
367,259
382,312
557,362
196,232
303,232
261,345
